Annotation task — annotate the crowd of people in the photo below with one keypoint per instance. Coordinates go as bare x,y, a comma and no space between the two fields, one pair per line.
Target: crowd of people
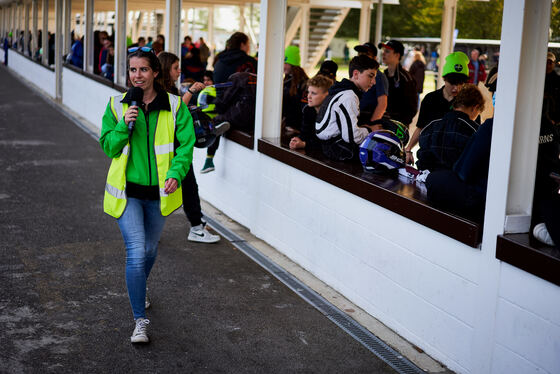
365,118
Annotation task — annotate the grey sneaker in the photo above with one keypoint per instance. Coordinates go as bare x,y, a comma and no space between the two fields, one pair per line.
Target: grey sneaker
140,334
201,235
540,232
220,128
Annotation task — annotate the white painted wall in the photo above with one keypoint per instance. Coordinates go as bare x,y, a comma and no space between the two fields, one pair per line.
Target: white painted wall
33,72
527,324
231,187
85,96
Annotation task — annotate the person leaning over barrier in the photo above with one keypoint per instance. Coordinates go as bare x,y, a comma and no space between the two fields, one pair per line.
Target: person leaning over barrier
337,121
437,103
317,91
143,183
443,140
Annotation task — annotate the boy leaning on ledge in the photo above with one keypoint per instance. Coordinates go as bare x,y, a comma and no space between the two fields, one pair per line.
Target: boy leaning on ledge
317,92
337,121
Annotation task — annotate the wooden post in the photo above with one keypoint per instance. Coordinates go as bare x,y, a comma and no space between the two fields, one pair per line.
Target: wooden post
447,30
270,68
88,36
173,23
120,42
58,47
45,33
365,22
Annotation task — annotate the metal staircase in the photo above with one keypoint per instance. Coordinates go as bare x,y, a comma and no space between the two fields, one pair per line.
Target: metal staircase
323,25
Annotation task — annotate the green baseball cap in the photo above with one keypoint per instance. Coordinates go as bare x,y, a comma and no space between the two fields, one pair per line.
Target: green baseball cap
456,63
291,55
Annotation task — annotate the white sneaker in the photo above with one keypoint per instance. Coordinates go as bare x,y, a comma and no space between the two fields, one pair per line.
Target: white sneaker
140,334
540,232
201,235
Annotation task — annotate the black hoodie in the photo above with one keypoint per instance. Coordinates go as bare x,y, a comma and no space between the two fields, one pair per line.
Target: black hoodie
233,61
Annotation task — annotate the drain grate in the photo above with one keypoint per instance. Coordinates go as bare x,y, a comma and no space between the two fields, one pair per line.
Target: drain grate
375,345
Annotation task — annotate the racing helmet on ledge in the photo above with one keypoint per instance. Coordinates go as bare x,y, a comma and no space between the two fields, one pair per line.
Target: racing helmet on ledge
382,151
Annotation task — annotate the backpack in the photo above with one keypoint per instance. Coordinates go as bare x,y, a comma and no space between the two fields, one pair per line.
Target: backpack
236,104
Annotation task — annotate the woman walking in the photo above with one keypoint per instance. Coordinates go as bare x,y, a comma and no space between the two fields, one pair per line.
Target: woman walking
143,183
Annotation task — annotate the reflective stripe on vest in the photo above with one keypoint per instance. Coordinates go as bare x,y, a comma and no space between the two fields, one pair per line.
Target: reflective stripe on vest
114,202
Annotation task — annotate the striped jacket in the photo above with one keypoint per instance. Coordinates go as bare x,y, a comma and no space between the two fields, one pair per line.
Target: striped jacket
338,115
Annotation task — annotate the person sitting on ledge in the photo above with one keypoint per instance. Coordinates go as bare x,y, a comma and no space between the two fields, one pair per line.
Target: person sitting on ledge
317,91
442,141
294,95
337,120
439,102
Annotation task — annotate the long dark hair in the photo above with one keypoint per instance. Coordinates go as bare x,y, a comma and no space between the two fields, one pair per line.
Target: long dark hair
299,78
235,40
166,60
154,63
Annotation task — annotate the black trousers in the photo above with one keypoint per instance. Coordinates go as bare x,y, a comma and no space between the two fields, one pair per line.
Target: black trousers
549,211
546,205
448,192
211,151
191,200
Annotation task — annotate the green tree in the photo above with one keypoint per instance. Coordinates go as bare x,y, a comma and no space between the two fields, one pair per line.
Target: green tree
479,19
422,18
555,22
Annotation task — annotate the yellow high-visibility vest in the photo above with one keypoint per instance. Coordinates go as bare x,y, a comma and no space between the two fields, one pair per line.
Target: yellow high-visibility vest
114,201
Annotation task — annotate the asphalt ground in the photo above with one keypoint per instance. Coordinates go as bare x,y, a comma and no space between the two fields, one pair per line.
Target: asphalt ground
63,301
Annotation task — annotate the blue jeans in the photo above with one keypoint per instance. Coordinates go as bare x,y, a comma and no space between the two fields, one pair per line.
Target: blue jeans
141,225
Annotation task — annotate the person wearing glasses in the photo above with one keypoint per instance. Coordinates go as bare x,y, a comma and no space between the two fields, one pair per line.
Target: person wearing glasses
144,180
191,200
439,102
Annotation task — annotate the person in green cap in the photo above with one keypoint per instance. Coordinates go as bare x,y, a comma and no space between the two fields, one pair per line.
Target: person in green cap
295,92
437,103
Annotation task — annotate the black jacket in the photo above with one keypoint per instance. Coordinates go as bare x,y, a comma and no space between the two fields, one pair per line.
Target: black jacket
402,101
442,141
233,61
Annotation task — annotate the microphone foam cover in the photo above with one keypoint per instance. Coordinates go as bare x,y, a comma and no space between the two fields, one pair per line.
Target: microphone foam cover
135,94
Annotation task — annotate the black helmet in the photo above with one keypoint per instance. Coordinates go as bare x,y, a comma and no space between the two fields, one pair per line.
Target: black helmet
202,128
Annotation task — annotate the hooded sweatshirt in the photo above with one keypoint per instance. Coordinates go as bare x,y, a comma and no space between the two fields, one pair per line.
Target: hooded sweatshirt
233,61
338,116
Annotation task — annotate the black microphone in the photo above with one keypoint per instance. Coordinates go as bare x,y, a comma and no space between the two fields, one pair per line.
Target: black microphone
136,95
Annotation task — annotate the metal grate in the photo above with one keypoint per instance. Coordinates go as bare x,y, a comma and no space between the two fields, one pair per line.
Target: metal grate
375,345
